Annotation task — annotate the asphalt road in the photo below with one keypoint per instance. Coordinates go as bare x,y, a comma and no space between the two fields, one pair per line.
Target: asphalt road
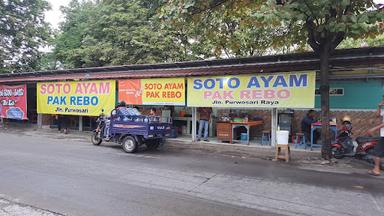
71,177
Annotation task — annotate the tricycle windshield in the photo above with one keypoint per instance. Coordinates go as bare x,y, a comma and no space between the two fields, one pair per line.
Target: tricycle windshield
132,112
127,112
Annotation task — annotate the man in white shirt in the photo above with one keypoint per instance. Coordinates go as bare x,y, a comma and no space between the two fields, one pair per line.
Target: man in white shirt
379,148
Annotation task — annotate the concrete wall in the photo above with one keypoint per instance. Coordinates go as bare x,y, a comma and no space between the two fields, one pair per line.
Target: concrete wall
358,94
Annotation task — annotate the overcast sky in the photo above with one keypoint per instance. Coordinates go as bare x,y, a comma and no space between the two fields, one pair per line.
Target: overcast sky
54,16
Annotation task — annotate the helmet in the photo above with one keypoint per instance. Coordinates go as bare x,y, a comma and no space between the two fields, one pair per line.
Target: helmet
122,104
346,119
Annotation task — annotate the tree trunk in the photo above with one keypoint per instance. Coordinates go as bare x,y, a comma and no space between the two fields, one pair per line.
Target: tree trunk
324,91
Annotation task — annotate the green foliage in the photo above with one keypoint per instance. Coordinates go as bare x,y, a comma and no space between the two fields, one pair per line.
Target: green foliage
326,24
226,27
22,32
111,32
47,61
362,42
329,22
249,27
233,25
115,32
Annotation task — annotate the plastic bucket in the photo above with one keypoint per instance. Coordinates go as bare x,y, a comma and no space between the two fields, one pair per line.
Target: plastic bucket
282,137
243,137
173,133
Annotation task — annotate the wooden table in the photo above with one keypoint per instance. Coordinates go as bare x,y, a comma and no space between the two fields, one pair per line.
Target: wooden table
226,130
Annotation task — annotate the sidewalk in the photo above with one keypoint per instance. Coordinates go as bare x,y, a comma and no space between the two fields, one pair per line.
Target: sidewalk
12,208
309,160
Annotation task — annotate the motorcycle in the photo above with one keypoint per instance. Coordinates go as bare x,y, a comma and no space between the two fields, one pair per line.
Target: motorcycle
97,134
345,147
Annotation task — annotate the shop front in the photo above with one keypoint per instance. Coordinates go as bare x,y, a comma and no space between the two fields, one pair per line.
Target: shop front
245,108
239,102
72,102
248,96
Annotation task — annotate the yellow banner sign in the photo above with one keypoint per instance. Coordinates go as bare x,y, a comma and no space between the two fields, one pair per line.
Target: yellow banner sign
83,98
170,91
280,90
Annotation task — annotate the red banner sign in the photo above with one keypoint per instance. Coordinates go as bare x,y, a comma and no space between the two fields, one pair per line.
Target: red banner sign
13,102
161,91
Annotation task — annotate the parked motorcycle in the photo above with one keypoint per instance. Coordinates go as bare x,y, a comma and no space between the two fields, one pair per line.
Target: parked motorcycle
345,147
96,137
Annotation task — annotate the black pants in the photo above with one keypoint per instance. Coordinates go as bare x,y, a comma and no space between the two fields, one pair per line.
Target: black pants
378,150
62,122
59,124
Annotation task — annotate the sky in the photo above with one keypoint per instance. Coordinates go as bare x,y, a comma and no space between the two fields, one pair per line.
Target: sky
54,16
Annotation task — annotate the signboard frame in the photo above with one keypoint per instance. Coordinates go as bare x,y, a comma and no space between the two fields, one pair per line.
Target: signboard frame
13,102
78,98
273,90
156,91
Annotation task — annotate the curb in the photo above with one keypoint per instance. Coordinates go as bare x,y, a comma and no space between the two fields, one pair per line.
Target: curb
239,150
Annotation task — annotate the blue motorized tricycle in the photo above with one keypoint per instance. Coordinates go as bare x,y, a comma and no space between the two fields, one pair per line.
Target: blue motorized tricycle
130,129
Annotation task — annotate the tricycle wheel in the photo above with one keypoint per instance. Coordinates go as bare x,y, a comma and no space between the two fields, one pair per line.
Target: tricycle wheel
129,144
95,138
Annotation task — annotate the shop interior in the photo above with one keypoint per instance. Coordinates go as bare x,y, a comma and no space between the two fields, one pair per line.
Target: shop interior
231,126
242,126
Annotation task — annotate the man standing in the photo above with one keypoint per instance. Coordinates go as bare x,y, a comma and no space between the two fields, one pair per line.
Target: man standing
306,125
1,118
205,117
378,152
58,122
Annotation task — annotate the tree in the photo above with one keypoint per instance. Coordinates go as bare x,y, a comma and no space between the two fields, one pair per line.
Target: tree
115,32
363,42
323,25
326,24
68,43
227,28
23,31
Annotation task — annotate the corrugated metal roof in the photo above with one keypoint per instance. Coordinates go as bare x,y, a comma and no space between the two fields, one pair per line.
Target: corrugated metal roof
341,59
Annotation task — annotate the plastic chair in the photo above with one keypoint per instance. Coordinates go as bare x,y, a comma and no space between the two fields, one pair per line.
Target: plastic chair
266,138
300,141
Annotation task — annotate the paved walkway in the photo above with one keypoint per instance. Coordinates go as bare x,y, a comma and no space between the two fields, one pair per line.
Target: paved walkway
67,174
11,208
304,159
